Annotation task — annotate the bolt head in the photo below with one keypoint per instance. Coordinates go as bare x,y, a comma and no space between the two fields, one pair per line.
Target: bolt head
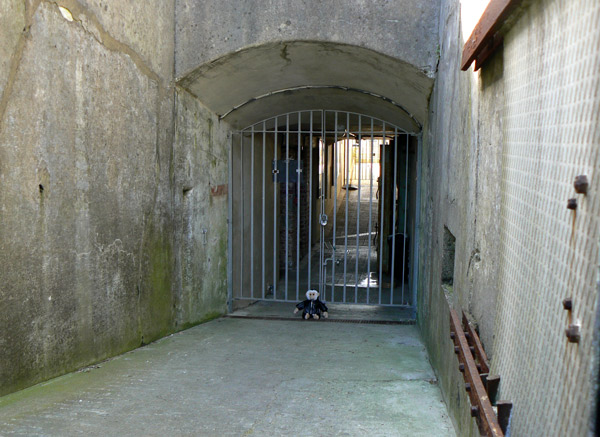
573,333
572,204
568,304
581,184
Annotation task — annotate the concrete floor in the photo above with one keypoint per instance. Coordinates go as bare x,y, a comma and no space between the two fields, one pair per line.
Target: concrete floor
237,377
337,313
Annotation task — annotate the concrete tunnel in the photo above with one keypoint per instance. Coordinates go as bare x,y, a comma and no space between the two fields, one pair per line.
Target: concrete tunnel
297,77
154,153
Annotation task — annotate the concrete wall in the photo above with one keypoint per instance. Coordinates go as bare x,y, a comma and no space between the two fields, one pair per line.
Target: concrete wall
94,232
403,29
501,148
201,169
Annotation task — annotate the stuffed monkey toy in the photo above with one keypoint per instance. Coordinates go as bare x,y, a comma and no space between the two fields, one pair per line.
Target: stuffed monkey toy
312,306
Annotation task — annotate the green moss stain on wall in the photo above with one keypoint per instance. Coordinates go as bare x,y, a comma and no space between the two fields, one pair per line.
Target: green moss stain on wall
156,292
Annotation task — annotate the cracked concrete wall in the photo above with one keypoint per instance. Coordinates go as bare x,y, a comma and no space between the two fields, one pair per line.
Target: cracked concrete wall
460,171
201,169
501,148
403,29
87,243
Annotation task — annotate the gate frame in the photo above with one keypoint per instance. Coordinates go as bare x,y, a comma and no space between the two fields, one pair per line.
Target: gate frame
414,249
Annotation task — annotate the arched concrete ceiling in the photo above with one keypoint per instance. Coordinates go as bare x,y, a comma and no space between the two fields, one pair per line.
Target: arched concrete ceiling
305,99
261,81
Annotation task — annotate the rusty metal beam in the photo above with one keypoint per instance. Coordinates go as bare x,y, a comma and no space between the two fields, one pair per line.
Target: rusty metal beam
484,40
481,406
473,340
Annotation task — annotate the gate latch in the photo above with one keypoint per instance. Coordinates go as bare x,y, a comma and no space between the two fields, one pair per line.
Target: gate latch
323,219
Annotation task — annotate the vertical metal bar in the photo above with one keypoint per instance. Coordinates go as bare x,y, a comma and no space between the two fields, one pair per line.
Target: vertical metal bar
242,214
358,212
310,201
264,215
322,149
298,208
322,209
395,206
287,200
322,288
252,212
405,212
416,230
381,200
275,188
370,217
230,230
347,168
335,186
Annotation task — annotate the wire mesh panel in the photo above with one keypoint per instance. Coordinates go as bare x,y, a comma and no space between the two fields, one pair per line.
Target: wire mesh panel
322,200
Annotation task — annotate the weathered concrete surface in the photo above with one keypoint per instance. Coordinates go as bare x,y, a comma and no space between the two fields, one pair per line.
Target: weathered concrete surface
378,52
460,175
12,23
501,148
403,29
242,377
87,259
364,74
330,98
146,28
201,169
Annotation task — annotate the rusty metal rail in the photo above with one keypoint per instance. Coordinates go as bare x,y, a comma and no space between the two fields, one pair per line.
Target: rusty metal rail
480,386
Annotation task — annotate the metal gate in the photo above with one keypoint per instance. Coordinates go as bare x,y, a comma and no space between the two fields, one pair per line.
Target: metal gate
322,199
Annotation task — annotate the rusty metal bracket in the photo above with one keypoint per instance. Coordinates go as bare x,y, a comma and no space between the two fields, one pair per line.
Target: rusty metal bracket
485,37
491,383
481,409
504,409
479,354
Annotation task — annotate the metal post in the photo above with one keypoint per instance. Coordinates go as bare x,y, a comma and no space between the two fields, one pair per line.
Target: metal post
264,215
310,200
370,218
322,149
298,208
275,197
416,229
347,161
381,199
358,213
287,200
252,212
405,220
242,214
335,184
395,206
230,230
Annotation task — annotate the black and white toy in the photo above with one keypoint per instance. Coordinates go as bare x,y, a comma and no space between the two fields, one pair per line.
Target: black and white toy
312,306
